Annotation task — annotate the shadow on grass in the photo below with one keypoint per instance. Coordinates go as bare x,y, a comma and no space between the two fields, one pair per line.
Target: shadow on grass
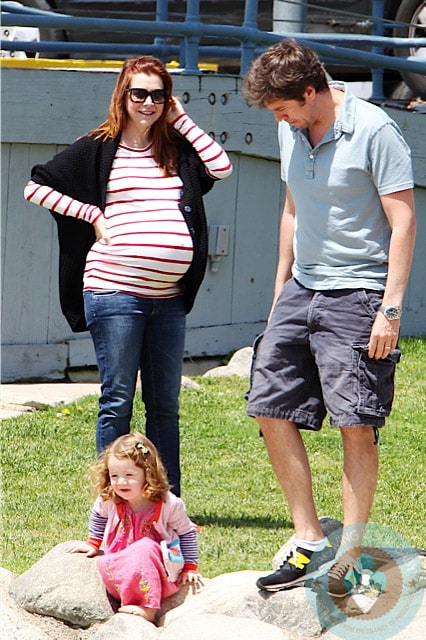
239,523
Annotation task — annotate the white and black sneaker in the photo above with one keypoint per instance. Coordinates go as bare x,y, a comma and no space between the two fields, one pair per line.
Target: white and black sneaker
299,566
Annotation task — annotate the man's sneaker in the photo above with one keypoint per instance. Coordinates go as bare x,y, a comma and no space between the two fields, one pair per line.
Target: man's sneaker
344,575
299,565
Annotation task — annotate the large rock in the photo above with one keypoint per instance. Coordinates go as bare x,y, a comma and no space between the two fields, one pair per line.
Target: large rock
239,365
14,628
123,626
18,624
67,586
235,595
221,627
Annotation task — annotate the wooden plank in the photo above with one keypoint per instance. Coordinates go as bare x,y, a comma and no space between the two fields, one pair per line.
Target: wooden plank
259,133
26,258
29,362
53,104
221,339
259,207
413,127
53,117
81,351
5,170
213,303
200,341
413,321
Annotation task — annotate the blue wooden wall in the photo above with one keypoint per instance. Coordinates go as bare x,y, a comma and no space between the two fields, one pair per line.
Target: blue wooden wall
45,109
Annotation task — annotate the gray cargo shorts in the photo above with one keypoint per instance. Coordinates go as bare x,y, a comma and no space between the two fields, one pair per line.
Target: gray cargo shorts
313,359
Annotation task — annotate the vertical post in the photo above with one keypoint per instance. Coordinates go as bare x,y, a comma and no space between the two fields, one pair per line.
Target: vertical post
192,41
289,16
378,28
162,13
250,22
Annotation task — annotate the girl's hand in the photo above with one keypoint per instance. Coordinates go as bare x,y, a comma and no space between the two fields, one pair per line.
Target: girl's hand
176,109
78,546
189,577
101,231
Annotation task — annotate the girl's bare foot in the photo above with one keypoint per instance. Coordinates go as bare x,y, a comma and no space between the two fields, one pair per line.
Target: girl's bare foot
143,612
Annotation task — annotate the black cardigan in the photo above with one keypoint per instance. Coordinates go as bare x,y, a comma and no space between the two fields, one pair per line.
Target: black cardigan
81,171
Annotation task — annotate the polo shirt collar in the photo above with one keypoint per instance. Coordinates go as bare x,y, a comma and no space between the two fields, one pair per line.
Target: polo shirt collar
345,120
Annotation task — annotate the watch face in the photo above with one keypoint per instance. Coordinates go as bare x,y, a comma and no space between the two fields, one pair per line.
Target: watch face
392,313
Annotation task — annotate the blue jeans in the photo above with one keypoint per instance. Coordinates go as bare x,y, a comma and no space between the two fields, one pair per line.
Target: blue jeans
130,333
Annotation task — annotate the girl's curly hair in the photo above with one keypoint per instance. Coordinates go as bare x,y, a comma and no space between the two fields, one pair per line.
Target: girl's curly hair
137,448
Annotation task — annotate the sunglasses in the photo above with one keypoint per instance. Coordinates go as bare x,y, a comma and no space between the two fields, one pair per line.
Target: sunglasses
158,96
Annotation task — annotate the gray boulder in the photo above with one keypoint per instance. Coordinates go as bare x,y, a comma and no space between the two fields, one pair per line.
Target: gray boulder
123,626
62,598
15,623
217,626
13,627
235,595
67,586
239,365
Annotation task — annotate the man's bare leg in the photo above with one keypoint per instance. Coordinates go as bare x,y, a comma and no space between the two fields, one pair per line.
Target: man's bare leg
360,471
359,481
290,462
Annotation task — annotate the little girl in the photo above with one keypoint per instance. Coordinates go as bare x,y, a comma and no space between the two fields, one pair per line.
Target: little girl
133,514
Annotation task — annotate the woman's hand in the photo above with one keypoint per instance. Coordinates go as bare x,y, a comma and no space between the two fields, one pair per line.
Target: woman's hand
77,546
101,230
176,109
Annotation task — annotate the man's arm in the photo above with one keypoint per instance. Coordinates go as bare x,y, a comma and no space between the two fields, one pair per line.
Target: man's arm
286,255
400,212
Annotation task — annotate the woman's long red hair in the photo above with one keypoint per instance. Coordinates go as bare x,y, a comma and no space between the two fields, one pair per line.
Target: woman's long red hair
163,135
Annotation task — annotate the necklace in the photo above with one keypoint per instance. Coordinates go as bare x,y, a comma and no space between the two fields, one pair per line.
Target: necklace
136,139
135,144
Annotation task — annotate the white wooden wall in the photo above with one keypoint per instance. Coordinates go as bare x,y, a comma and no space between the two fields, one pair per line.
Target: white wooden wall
44,110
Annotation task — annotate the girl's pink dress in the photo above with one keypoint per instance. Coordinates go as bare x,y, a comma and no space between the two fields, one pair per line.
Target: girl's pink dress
132,567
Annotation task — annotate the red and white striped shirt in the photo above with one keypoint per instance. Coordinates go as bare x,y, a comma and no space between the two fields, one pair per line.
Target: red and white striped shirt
151,247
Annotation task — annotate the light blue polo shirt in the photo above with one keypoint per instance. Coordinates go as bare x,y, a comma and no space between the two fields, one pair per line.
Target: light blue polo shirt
341,232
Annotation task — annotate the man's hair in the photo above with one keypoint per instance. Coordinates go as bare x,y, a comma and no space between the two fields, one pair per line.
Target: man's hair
284,72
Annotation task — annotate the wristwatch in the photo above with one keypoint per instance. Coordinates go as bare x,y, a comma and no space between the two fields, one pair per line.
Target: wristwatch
391,313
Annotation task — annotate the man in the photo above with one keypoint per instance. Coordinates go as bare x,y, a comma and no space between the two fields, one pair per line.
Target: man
346,243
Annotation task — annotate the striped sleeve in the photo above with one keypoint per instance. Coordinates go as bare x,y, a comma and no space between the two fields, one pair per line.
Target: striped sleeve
188,545
47,197
97,525
211,153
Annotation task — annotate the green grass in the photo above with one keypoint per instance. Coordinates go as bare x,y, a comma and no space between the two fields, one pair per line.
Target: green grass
228,484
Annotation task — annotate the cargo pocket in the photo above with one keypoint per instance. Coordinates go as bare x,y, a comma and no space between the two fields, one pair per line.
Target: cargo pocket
253,362
375,381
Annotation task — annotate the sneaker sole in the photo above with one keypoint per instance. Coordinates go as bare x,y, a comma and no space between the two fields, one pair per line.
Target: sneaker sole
339,595
282,586
312,575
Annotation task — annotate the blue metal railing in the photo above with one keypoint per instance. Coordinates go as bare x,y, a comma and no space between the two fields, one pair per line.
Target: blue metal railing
331,48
